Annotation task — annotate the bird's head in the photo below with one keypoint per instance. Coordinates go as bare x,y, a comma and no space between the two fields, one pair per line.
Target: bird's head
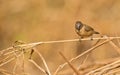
78,25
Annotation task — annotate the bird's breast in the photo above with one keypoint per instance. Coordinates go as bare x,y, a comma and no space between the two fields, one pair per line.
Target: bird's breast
84,33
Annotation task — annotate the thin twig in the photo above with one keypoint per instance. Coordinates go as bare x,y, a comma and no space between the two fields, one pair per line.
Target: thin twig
113,71
23,60
118,61
31,45
44,62
5,72
118,40
16,63
9,60
97,41
105,70
73,68
86,57
114,46
11,52
86,68
40,68
4,59
2,51
84,60
87,51
15,66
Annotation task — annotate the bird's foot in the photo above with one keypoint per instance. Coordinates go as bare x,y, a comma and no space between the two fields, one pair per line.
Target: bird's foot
91,39
80,39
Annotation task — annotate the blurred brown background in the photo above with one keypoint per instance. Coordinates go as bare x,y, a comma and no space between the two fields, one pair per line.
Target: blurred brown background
47,20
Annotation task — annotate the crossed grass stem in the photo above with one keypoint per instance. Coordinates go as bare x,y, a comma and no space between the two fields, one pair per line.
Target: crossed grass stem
32,45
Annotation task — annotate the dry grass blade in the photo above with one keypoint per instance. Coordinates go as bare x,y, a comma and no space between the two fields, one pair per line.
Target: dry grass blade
9,60
9,51
97,41
86,68
82,62
41,69
23,60
15,65
115,46
17,61
118,40
2,51
87,51
31,45
113,71
106,67
5,72
44,62
73,68
4,59
85,59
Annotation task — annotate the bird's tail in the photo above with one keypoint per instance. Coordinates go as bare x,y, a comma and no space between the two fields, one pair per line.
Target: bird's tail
95,32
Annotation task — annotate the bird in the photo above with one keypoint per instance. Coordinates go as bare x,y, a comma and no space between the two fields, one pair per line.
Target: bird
84,30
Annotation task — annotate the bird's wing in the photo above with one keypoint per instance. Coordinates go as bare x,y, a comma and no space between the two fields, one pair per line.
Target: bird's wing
88,28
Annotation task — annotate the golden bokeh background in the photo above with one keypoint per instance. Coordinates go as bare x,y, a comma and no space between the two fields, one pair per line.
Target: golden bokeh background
51,20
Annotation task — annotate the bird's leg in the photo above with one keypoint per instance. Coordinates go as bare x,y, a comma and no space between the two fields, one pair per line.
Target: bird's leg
102,36
80,39
91,38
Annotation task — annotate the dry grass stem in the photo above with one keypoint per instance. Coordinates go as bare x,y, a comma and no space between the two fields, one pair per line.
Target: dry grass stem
44,62
82,62
23,60
15,66
118,40
13,53
40,68
9,60
85,59
112,72
86,68
2,51
4,59
31,45
115,46
5,72
87,51
73,68
16,63
106,67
